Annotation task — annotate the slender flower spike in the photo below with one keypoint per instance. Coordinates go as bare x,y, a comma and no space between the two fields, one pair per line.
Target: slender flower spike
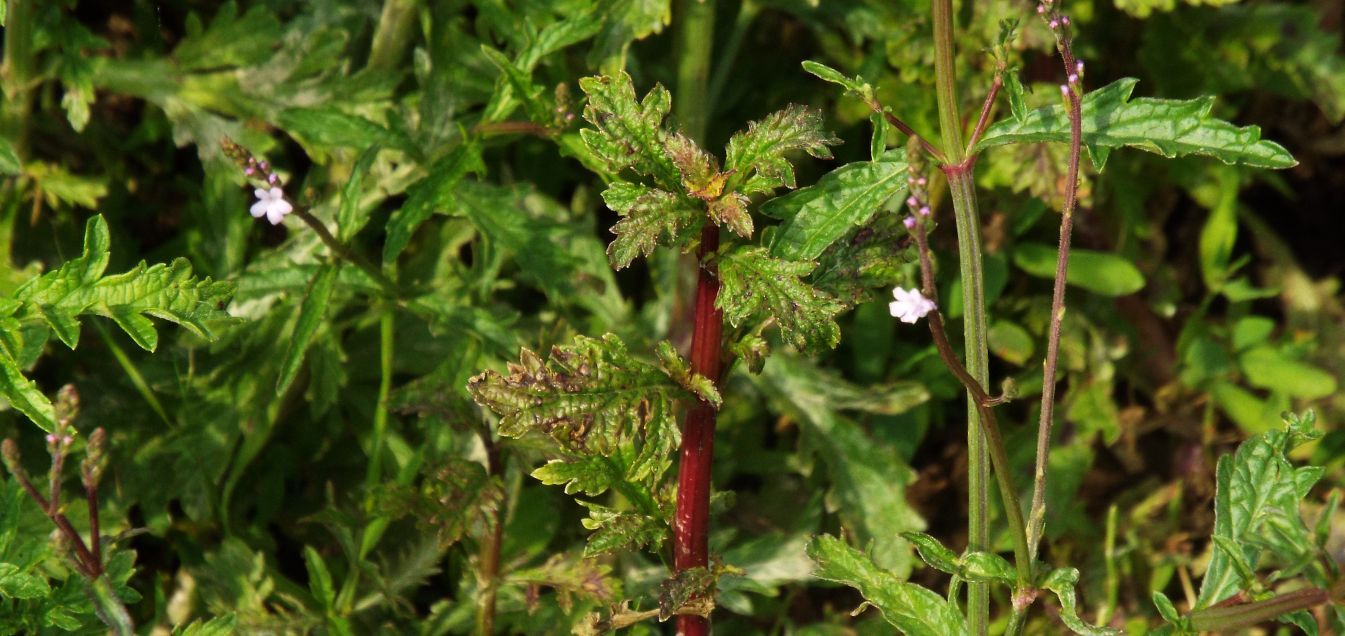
272,204
910,305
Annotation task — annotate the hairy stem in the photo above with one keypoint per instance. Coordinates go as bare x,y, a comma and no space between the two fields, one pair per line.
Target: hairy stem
1073,97
982,402
691,526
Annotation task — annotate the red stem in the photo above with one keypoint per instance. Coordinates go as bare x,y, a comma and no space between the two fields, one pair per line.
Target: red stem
691,527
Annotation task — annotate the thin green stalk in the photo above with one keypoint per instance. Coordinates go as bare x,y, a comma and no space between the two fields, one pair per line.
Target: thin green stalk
695,35
968,223
17,71
377,445
392,39
386,343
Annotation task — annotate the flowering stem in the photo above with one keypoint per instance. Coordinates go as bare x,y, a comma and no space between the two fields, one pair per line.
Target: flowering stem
983,403
963,194
691,525
1073,91
345,253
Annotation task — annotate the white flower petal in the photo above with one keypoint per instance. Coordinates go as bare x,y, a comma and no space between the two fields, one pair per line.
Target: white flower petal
258,209
276,193
282,205
260,194
275,214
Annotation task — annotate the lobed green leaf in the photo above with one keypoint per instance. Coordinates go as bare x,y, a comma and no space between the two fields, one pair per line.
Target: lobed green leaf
755,285
627,133
757,157
649,217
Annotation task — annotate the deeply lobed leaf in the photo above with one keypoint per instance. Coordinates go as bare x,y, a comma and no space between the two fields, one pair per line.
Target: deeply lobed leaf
627,133
1171,128
54,303
757,156
755,285
649,217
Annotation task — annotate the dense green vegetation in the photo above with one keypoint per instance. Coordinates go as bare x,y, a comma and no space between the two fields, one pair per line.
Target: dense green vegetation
570,316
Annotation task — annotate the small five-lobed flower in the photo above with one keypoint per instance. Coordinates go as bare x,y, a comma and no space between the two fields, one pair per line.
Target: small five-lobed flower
910,305
271,204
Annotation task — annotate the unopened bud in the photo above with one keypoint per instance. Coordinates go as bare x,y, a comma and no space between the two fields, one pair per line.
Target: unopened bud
912,201
67,406
909,222
92,468
924,210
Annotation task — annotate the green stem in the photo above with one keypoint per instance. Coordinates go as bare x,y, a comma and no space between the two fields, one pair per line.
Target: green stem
386,343
17,71
945,81
396,26
695,35
968,222
108,606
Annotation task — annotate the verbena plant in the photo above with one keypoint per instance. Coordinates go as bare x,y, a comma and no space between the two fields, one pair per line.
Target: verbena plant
319,449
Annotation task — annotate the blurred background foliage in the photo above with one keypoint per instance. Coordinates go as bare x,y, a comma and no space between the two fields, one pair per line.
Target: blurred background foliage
320,466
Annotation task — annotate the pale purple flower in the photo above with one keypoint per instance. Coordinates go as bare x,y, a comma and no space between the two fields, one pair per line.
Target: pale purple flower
910,305
909,222
272,204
